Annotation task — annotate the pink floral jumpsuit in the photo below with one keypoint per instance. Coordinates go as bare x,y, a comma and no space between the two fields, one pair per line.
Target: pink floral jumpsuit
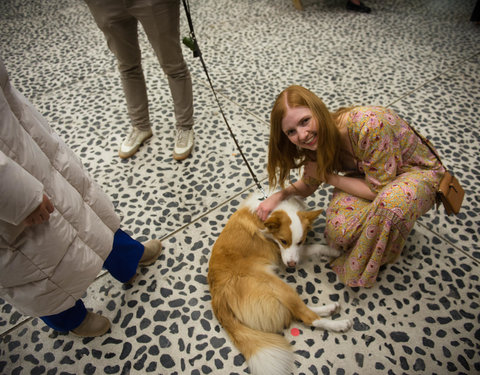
405,175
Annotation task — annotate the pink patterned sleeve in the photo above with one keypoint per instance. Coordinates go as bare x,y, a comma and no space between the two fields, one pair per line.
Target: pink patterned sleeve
378,148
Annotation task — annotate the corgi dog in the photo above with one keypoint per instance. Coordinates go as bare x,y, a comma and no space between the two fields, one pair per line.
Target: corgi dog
249,300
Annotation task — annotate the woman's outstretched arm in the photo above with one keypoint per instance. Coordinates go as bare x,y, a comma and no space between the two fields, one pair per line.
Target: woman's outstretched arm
351,185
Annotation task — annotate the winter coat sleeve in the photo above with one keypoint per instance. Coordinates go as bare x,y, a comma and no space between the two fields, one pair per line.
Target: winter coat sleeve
20,192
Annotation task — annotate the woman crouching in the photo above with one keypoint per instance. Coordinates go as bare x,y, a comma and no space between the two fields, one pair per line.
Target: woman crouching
384,176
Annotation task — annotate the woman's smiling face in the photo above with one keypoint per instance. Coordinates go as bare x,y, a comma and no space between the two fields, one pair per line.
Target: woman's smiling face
301,127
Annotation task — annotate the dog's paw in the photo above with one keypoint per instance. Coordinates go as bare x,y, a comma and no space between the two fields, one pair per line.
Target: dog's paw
333,325
320,250
342,325
325,310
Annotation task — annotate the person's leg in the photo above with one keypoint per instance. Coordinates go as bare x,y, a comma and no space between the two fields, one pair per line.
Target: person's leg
374,233
122,263
161,21
121,33
346,216
68,319
127,254
123,260
78,321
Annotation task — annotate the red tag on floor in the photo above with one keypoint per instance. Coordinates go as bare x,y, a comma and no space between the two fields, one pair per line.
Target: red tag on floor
295,331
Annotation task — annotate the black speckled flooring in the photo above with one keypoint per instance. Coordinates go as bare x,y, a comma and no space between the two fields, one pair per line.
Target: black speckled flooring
420,57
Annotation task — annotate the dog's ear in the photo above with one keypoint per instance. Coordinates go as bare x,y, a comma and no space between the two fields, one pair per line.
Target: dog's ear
309,215
272,223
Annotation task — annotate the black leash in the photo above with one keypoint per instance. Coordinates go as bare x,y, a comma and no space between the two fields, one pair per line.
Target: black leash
191,42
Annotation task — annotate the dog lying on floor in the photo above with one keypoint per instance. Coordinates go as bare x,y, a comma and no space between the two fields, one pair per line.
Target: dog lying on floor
249,300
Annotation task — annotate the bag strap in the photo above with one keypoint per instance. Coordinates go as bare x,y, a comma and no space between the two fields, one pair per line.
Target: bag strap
427,143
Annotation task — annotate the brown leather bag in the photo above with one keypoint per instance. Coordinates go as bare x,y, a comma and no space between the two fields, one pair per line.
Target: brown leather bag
450,193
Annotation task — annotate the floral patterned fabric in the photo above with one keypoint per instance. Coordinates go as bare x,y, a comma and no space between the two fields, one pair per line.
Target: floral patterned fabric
405,175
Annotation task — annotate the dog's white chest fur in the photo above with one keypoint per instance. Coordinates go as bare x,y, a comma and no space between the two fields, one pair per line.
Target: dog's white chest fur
291,246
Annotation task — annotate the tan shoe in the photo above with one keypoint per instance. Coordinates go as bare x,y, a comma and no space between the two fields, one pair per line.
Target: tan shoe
152,251
133,141
92,326
184,141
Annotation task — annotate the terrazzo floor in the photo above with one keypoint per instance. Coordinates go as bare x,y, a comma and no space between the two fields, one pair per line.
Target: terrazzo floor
419,57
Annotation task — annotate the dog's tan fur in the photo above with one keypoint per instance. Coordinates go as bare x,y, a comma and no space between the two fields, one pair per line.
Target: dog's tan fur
250,301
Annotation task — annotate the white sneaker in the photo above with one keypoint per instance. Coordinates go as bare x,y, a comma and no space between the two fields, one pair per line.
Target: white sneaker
133,141
183,144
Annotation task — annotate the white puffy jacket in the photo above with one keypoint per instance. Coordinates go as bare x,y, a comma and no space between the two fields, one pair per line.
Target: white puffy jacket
45,268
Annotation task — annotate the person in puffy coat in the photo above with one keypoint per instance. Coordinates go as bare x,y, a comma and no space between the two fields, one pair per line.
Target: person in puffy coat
58,229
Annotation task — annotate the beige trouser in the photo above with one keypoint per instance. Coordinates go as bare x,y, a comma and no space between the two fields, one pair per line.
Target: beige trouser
118,19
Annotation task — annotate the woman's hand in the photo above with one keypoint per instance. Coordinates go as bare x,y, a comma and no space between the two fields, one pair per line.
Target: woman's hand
41,213
268,205
299,188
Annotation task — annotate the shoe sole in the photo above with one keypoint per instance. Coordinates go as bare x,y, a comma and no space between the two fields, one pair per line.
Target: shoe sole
130,154
183,156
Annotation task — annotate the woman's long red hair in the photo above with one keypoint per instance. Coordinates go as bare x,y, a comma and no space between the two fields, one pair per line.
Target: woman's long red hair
283,155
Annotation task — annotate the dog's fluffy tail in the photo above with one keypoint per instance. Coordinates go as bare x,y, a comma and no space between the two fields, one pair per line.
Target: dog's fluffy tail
276,359
266,353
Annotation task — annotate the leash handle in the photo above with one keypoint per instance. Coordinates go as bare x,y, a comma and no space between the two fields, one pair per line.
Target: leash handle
197,53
